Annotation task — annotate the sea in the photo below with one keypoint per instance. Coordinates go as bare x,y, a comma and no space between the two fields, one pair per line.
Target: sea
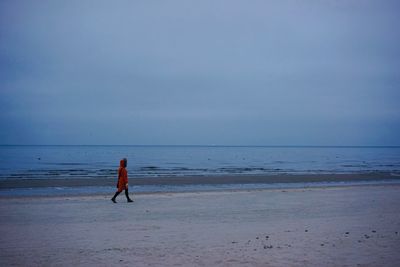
83,161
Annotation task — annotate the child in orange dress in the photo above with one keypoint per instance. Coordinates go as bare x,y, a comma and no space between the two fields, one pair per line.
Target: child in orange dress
122,181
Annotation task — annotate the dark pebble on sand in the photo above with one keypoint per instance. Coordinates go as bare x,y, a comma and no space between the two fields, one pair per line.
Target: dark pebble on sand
234,242
367,236
359,241
347,233
373,231
322,245
257,237
305,230
396,233
267,236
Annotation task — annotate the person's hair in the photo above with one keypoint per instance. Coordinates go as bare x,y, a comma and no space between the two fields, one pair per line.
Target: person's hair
125,162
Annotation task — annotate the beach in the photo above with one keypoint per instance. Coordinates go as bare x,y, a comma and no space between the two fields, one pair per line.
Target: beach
24,182
261,133
324,226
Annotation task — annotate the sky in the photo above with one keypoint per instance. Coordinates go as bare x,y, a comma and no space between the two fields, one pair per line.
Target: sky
207,72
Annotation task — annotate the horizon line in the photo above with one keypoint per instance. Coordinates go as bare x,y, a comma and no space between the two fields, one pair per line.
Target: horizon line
197,145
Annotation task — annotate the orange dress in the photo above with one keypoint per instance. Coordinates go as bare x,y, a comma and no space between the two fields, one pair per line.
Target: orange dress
122,177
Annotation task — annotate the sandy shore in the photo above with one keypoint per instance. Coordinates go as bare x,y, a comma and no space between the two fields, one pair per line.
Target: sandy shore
337,226
23,182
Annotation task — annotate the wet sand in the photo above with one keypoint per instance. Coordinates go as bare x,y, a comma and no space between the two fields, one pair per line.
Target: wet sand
197,180
335,226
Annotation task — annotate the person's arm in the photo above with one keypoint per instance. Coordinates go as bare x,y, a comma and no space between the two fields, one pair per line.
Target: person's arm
126,178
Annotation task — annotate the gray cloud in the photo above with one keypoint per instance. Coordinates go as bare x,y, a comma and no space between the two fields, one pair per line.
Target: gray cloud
200,72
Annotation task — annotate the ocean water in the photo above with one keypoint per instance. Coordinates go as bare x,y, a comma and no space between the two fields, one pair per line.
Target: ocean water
36,162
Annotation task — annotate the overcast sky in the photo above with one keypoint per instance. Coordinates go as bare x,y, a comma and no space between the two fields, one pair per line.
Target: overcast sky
200,72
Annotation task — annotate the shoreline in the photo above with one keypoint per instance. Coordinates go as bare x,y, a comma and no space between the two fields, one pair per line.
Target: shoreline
198,180
93,191
224,190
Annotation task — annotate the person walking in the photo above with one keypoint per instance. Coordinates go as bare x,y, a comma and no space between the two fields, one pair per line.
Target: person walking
122,181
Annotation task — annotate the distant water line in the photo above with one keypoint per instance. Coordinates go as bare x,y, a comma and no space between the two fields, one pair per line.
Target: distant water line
36,162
